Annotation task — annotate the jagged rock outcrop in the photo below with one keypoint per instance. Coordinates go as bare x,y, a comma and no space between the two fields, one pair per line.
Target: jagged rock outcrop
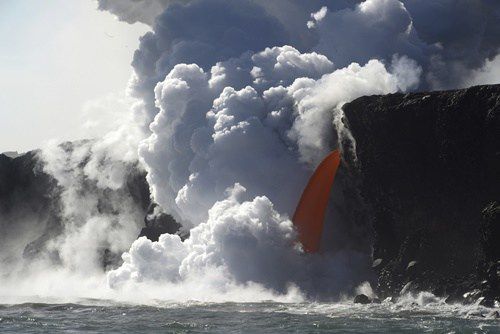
157,223
429,171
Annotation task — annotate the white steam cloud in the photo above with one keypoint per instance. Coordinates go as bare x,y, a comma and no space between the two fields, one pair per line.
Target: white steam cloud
373,29
260,122
95,212
447,38
244,245
487,75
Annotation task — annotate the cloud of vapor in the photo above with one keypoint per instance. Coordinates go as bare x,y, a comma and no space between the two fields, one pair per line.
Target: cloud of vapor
133,11
235,235
373,29
466,32
245,245
224,113
291,13
448,38
184,33
489,74
261,120
255,124
213,130
97,198
344,31
97,212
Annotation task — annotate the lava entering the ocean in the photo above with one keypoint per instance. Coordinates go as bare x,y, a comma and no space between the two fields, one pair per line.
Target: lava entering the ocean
310,212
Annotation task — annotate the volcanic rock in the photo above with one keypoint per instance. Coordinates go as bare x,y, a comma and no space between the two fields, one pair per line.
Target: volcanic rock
362,299
429,174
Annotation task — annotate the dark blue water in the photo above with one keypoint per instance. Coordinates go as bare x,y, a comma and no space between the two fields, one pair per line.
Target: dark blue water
93,316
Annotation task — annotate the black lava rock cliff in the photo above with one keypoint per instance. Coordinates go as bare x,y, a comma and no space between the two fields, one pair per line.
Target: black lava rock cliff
428,167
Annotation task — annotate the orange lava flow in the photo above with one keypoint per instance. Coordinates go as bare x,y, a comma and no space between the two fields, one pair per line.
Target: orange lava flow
310,212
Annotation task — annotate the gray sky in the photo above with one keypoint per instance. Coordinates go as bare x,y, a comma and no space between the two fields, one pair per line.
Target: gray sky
60,61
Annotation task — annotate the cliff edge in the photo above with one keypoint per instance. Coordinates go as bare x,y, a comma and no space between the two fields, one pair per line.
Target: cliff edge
429,171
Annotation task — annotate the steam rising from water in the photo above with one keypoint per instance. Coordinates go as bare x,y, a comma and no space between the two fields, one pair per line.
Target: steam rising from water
230,121
256,122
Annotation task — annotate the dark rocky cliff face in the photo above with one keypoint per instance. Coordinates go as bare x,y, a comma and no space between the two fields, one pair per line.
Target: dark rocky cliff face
429,171
25,202
23,184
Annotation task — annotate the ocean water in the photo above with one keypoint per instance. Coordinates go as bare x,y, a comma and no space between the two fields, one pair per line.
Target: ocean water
97,316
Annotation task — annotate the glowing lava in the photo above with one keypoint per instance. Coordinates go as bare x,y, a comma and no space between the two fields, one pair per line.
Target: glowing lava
310,213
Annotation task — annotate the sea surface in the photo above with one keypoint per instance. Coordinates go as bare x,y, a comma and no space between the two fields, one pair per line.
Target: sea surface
98,316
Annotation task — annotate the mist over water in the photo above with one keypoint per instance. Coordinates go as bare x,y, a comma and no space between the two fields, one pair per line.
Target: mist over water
229,120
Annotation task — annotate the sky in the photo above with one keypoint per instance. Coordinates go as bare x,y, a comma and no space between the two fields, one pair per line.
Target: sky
60,61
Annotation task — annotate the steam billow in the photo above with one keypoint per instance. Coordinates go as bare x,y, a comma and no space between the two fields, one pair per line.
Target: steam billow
236,103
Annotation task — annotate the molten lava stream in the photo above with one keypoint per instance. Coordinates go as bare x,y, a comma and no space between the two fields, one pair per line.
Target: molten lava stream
310,212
